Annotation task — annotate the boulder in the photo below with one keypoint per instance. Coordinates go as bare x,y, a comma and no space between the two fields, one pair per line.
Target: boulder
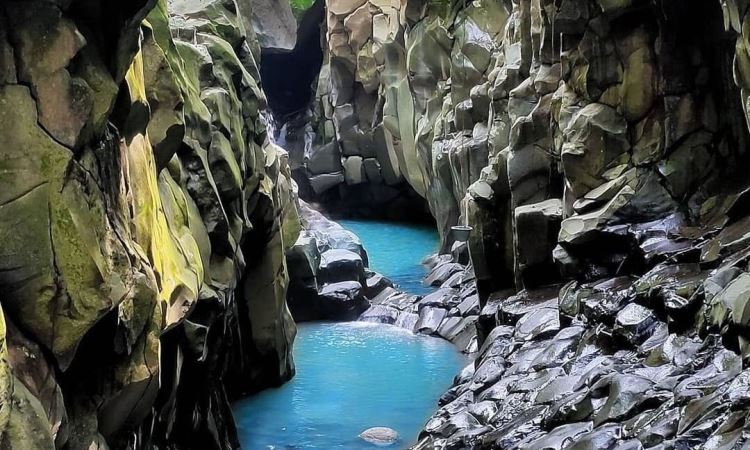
342,301
324,182
441,273
325,159
538,323
375,284
379,314
635,323
341,265
380,436
354,171
303,258
430,319
407,320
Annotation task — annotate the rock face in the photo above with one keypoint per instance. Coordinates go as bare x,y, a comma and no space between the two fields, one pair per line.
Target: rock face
518,130
598,150
144,219
272,21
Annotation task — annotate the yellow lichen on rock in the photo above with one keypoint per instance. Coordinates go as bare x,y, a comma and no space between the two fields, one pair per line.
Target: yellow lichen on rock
175,259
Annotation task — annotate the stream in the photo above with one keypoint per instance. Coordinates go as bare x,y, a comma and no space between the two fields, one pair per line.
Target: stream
353,376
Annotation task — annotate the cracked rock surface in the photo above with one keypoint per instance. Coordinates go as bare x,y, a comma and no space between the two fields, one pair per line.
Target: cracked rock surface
144,218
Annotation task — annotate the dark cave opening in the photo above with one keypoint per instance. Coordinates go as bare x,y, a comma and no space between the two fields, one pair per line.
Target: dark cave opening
288,77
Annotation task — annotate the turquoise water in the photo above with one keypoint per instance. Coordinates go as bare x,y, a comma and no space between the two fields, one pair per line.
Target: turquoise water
350,377
396,250
353,376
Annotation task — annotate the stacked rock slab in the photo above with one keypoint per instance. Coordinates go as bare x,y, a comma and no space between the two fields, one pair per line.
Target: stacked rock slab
450,312
329,279
144,219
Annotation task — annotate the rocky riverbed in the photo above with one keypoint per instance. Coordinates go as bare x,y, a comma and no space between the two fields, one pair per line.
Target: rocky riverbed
631,362
331,280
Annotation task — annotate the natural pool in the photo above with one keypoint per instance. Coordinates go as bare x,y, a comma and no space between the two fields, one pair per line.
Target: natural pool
396,250
350,377
353,376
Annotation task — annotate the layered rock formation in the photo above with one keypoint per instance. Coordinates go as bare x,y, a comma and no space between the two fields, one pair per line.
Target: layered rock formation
328,270
450,312
598,150
144,218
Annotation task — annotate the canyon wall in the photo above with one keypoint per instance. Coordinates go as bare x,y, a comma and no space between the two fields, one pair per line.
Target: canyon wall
599,151
552,128
144,218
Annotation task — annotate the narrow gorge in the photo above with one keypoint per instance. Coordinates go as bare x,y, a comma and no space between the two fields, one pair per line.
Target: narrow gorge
184,183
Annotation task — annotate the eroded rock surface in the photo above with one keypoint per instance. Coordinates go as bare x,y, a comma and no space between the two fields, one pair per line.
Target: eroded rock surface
598,151
144,218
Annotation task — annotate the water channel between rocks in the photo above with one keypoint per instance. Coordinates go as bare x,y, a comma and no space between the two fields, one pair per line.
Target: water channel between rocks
353,376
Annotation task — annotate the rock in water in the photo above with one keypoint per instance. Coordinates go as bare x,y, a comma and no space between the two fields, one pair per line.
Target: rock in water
380,435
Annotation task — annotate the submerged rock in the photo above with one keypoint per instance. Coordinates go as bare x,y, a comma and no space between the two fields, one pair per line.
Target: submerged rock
381,436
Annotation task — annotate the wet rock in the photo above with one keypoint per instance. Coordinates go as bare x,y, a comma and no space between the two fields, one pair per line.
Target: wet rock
342,301
453,424
560,349
469,306
381,436
483,411
601,437
558,438
535,380
380,314
656,426
634,323
340,265
442,297
575,407
441,273
384,295
488,372
627,394
407,321
376,284
601,301
511,309
430,319
464,335
739,390
557,389
657,338
537,324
